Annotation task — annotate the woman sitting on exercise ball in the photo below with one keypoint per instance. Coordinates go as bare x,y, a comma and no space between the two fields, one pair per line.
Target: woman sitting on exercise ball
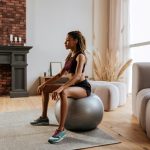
76,87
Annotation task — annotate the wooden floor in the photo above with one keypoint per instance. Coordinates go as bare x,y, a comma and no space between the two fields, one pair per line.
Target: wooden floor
119,123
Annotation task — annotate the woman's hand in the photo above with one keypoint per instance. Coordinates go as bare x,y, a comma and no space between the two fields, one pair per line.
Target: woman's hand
40,88
55,94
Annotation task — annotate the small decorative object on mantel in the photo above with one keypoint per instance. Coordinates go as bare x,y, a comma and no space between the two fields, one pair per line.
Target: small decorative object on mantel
20,40
15,40
11,39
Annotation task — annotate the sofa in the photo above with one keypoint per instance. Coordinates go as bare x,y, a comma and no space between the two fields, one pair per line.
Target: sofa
141,94
112,94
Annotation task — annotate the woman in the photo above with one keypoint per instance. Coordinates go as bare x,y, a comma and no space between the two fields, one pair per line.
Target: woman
76,87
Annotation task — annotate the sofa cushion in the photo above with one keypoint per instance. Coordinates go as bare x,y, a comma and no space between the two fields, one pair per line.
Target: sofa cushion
148,119
142,99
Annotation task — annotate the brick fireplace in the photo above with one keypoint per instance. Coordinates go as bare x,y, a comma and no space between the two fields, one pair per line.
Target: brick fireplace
13,70
5,79
13,53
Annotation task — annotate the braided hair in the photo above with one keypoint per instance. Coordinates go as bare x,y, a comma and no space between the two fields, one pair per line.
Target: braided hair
81,44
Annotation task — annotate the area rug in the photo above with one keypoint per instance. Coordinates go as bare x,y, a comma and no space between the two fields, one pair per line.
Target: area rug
16,133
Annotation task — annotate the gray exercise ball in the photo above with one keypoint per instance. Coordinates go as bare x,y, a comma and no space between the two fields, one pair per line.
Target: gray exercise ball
83,114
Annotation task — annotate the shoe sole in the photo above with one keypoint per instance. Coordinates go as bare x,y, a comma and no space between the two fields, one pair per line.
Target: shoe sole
40,124
53,142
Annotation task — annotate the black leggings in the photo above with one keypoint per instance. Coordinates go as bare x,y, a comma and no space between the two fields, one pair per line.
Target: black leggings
85,85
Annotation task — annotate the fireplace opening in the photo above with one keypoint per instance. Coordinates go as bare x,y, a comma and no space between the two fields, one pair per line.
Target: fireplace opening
5,79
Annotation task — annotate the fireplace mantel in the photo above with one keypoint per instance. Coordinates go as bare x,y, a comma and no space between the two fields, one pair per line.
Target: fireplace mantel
16,56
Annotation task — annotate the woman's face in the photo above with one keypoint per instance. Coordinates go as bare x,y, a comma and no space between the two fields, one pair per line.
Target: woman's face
70,43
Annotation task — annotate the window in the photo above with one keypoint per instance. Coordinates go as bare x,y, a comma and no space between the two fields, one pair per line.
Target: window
139,32
139,21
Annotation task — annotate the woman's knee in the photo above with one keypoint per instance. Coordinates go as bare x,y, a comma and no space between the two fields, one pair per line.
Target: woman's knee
64,93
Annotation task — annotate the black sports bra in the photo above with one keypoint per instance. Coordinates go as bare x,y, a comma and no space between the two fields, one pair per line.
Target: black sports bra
71,63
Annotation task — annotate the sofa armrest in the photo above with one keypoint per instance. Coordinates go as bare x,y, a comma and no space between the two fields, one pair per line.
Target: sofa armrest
140,80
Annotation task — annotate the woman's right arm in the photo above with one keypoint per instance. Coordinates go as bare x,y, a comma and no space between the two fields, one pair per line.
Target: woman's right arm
56,77
49,81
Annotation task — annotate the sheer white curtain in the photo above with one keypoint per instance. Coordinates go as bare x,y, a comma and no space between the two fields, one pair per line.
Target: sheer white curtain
119,33
119,28
107,62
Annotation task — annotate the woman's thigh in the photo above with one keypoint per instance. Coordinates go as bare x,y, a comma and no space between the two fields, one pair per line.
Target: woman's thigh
76,92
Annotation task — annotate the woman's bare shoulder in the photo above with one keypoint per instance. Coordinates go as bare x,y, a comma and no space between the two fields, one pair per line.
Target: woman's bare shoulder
81,57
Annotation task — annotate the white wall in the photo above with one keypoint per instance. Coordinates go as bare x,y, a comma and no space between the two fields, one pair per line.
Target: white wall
48,22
